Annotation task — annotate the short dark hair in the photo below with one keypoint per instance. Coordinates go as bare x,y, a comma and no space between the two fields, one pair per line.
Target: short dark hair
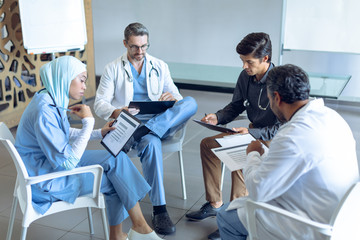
258,44
290,81
135,29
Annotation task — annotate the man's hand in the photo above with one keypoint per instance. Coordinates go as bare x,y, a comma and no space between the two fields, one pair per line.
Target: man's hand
133,111
166,96
255,146
210,118
241,130
107,128
81,110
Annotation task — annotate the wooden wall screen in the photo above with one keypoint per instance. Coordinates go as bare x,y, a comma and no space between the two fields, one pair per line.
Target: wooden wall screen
19,71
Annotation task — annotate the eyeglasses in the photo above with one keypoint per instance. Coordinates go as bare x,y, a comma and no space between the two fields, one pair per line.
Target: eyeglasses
136,48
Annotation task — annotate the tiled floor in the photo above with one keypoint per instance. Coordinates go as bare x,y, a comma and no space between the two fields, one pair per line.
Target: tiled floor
74,225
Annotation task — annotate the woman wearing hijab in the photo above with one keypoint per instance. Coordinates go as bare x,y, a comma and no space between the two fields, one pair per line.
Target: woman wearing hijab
47,143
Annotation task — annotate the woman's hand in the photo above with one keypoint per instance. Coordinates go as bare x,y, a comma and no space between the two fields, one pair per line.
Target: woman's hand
210,118
116,112
107,128
81,110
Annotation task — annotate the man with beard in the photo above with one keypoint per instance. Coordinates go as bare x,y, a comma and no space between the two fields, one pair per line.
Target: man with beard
310,165
138,76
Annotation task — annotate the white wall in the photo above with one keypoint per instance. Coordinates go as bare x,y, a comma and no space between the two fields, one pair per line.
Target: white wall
186,31
206,32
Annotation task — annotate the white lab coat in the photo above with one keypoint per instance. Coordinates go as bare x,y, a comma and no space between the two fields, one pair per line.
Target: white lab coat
116,88
310,165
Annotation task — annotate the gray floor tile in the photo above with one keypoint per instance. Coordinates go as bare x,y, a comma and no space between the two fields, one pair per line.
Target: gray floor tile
34,232
7,184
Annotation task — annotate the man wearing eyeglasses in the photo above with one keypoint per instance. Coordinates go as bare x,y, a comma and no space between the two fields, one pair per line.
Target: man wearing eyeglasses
139,76
250,96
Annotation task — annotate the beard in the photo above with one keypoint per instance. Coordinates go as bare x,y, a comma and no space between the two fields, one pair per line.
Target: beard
280,116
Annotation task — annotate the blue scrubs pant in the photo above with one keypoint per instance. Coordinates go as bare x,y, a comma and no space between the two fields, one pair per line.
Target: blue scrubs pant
122,184
149,148
230,226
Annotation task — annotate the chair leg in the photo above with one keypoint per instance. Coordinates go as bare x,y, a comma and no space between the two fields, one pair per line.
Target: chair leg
104,220
23,233
181,163
91,226
222,175
12,218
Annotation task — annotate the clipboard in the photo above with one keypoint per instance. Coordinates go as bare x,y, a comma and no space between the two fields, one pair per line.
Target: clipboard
214,127
151,107
126,124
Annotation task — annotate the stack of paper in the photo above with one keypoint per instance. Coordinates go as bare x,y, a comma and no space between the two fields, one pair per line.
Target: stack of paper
233,150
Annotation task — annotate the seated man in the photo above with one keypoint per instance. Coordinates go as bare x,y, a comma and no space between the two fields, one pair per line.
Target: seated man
250,96
138,76
310,165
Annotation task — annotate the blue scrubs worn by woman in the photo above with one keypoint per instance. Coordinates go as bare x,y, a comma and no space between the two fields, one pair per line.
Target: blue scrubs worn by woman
47,143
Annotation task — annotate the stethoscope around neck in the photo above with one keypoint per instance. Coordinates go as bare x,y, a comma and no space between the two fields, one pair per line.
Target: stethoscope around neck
247,103
130,79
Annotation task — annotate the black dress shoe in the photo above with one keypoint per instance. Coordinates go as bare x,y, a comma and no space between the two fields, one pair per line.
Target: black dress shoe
205,211
163,224
215,235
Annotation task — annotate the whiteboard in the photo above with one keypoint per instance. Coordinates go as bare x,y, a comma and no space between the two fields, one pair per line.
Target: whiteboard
50,26
322,25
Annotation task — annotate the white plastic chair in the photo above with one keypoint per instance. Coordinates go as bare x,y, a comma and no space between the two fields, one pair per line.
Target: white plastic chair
343,223
5,133
172,144
23,193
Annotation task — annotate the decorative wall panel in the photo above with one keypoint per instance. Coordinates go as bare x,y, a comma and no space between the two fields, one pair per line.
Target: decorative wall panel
19,71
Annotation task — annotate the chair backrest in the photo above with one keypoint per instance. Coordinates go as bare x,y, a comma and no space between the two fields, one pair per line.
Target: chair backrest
344,220
5,133
22,174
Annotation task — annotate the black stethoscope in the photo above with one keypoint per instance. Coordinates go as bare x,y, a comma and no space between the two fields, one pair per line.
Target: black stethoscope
150,77
53,105
247,103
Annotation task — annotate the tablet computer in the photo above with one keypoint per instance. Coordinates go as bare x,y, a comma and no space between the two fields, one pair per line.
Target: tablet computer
125,125
151,107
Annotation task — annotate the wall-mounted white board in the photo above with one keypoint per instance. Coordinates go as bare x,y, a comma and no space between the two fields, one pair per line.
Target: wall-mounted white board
50,26
322,25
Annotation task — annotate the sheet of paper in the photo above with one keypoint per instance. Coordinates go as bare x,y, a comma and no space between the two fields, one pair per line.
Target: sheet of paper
235,139
233,157
233,150
115,140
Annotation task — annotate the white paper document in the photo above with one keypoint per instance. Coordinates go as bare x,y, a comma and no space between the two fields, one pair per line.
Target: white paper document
233,157
233,150
125,124
235,139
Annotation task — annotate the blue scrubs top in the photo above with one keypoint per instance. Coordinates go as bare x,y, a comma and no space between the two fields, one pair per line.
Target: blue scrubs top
42,141
140,88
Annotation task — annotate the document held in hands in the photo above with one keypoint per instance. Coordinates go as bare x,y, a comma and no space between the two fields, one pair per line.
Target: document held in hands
233,150
125,125
233,157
